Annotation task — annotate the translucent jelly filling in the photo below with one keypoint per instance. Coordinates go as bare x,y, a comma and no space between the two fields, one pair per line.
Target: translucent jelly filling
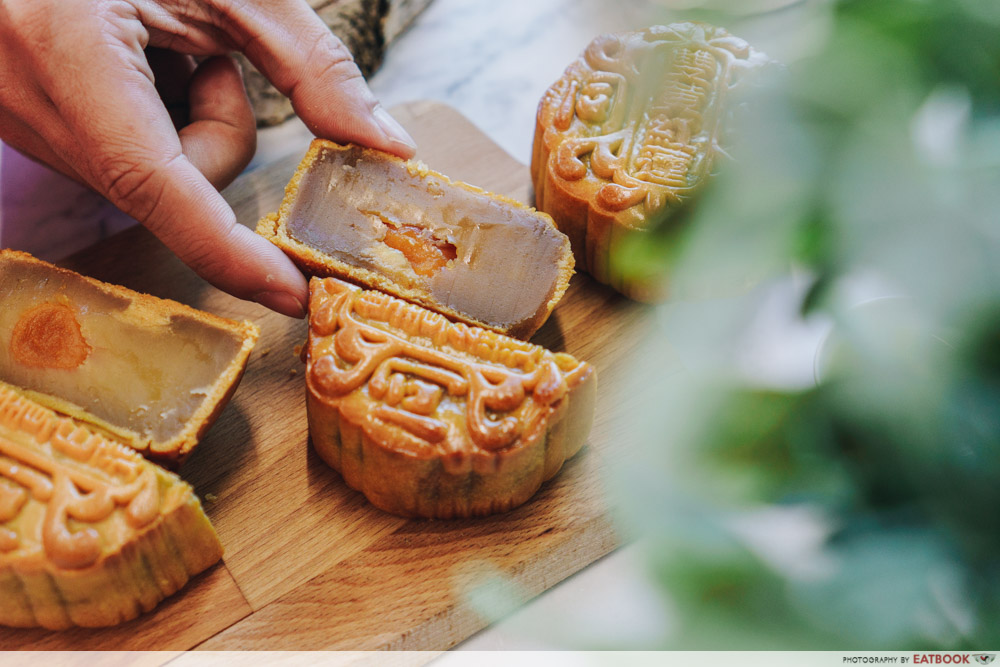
488,259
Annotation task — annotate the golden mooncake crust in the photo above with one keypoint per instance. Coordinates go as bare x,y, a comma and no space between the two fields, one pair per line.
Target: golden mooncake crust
91,534
430,418
629,133
76,345
404,206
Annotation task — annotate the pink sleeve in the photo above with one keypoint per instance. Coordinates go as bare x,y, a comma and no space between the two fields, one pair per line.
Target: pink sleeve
48,214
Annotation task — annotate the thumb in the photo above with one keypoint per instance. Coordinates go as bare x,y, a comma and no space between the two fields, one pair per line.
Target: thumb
219,141
196,223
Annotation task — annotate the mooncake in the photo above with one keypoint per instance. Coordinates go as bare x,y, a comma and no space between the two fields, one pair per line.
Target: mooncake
91,534
399,227
151,372
629,134
430,418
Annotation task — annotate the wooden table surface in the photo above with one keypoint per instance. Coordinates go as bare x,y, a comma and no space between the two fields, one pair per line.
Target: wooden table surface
309,564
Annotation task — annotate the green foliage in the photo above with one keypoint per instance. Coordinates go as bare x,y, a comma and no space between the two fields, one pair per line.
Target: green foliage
876,159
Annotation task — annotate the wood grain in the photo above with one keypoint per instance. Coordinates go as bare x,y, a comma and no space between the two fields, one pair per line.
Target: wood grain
407,590
210,602
309,563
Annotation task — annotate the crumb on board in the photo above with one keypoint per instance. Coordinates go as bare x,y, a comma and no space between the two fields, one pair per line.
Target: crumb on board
265,352
293,372
211,497
298,350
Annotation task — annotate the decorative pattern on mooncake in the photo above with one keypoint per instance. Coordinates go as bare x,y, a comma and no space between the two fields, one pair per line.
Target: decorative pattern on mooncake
402,228
434,419
629,133
152,372
91,534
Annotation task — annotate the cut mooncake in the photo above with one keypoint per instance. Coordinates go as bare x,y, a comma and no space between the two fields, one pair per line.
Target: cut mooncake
91,534
151,372
629,134
397,226
430,418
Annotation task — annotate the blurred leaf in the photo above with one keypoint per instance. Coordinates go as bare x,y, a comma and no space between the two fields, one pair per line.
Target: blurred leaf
873,165
891,583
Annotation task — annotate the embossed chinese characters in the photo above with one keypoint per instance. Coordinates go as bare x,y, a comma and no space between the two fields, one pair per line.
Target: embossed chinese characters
91,534
436,419
629,133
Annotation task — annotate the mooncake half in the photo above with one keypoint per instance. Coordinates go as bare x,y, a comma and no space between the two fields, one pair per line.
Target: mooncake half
91,534
430,418
630,133
397,226
152,372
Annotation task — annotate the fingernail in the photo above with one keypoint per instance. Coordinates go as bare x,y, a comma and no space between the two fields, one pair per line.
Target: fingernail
392,129
282,302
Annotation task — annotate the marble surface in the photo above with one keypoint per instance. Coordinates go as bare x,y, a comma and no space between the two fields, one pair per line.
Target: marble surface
491,61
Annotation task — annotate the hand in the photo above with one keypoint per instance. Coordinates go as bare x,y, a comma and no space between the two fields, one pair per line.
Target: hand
77,92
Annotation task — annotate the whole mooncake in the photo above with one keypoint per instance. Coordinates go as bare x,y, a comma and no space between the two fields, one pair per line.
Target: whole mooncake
399,227
629,133
152,372
91,534
430,418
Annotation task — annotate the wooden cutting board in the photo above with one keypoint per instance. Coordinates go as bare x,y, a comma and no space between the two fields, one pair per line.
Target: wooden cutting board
309,564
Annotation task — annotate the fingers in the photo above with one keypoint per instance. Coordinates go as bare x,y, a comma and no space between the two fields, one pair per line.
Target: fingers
221,136
122,141
292,47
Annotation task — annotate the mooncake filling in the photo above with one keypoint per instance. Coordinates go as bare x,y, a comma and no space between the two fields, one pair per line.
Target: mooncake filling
464,247
79,347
